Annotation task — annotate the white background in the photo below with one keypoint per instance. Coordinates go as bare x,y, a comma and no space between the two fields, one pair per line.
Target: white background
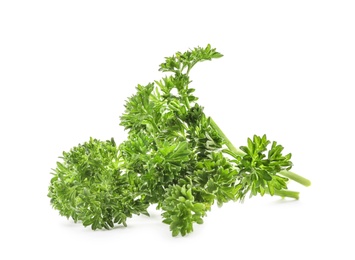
66,68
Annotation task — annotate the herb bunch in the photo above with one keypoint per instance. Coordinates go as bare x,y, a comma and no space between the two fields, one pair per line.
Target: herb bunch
175,157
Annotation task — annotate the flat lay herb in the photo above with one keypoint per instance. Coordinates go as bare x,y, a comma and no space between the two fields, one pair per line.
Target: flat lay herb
175,157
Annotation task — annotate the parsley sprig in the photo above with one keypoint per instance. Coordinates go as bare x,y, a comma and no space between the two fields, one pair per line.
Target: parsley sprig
90,186
175,157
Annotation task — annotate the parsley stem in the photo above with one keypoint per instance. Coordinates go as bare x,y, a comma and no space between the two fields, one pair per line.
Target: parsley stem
285,193
295,177
229,144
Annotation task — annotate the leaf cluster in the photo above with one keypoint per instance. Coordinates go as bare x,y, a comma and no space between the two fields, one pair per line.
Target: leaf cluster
90,187
258,169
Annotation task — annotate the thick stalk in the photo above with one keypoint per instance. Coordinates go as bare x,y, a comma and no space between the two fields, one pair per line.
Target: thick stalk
295,177
285,193
226,140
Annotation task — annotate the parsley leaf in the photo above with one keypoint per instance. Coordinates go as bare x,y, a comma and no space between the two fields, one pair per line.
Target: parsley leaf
90,186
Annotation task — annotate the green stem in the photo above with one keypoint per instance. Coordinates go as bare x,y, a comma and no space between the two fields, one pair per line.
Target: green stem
226,140
285,193
295,177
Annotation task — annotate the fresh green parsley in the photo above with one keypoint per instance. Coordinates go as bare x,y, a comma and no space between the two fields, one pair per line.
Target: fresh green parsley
175,157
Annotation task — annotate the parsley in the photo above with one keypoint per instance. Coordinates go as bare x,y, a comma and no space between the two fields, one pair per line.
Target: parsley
90,186
175,157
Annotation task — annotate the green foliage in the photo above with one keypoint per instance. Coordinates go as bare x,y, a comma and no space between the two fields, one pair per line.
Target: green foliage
258,169
168,132
215,178
181,61
181,210
175,156
90,187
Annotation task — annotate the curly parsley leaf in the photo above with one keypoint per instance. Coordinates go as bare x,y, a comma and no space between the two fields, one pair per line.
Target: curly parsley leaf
89,186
